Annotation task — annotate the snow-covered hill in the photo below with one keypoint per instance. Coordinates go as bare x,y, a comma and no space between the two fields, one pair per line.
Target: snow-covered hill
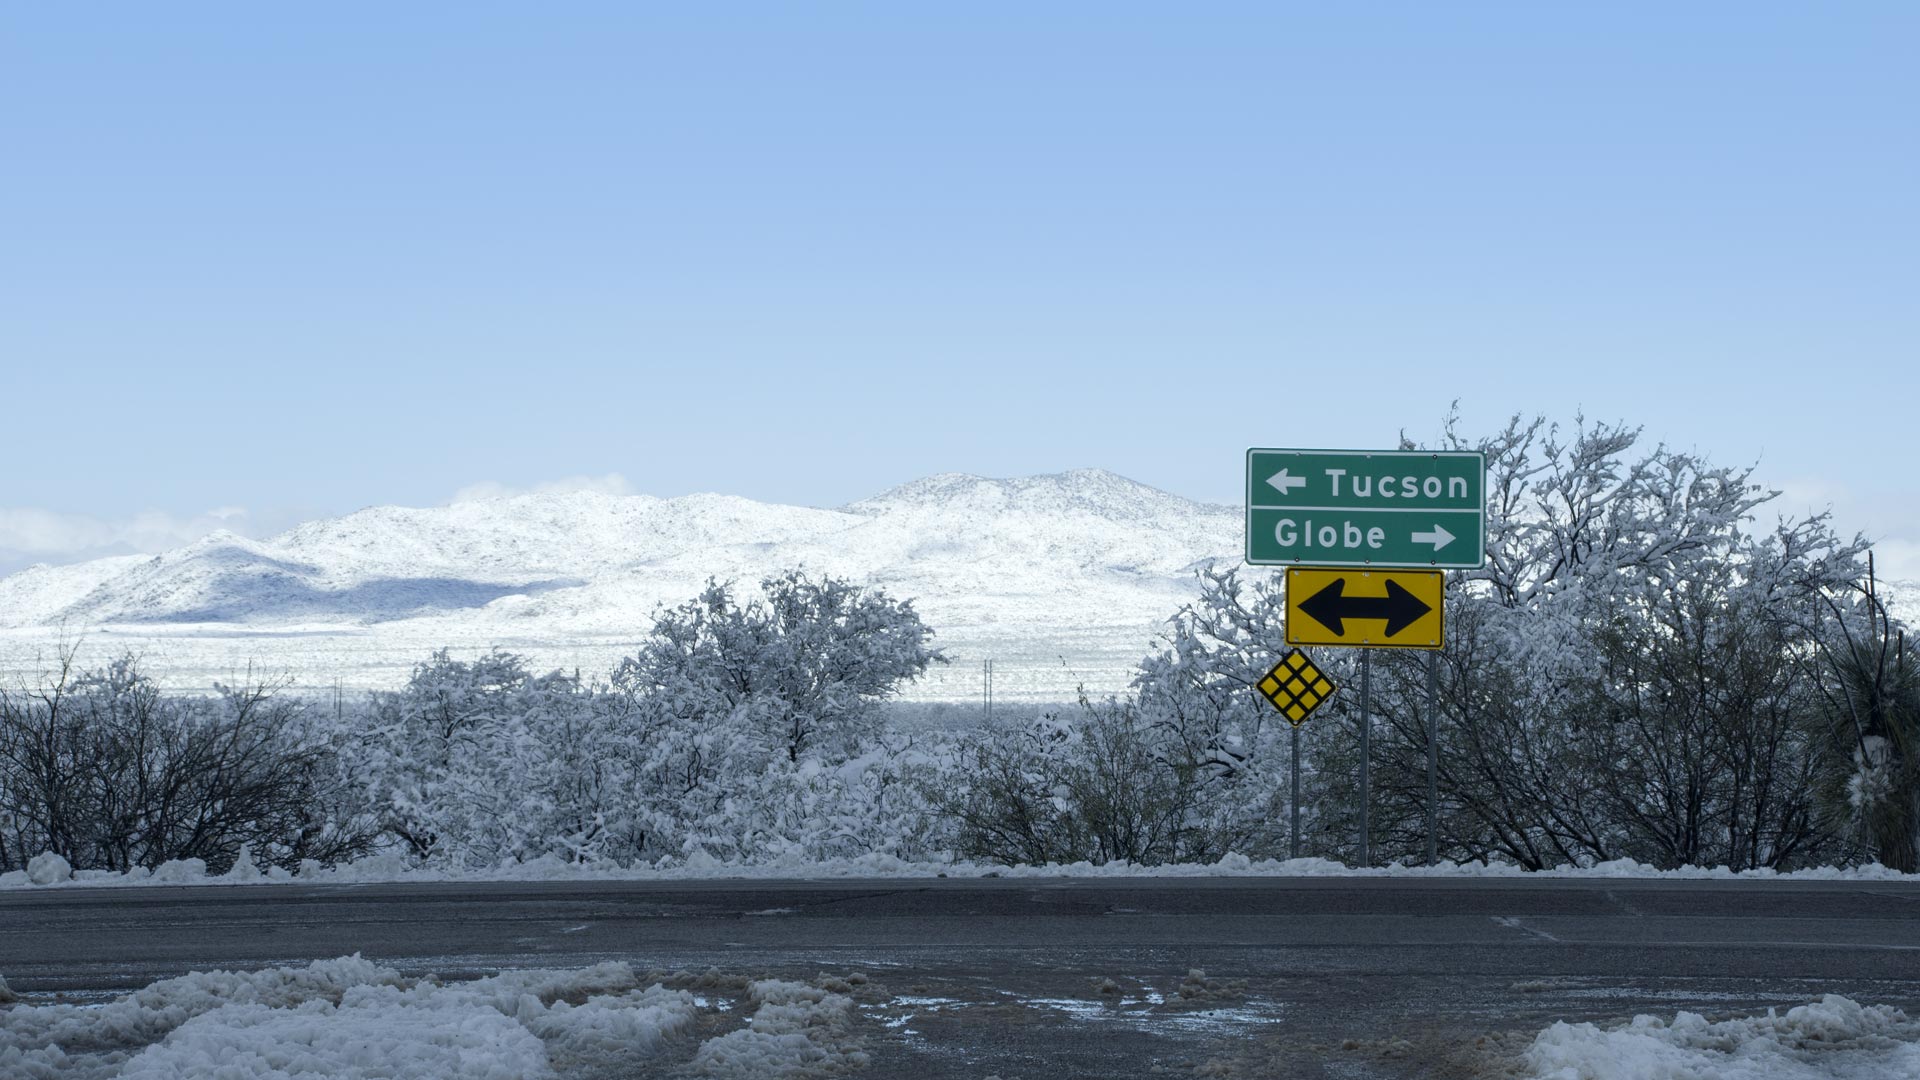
1061,580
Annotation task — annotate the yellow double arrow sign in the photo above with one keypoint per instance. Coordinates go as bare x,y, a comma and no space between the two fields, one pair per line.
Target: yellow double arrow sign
1390,609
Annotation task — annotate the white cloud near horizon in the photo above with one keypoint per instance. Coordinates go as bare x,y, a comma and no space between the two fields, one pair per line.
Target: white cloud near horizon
609,484
30,535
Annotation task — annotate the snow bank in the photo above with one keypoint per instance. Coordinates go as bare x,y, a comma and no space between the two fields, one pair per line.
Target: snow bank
393,867
1834,1038
349,1018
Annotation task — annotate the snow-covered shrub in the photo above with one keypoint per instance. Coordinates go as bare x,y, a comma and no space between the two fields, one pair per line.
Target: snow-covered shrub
1187,767
103,769
1626,676
1003,794
474,762
800,671
734,714
814,811
1101,783
738,731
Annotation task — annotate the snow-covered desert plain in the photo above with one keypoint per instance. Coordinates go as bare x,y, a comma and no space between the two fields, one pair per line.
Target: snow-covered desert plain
1061,580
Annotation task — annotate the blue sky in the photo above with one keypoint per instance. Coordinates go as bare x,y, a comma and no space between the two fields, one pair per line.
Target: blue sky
261,264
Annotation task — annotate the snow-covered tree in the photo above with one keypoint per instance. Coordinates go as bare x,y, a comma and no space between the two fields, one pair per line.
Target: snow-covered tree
1625,677
1621,679
478,761
728,703
804,668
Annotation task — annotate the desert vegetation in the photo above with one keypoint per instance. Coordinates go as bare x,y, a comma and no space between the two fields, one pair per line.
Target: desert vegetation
1643,670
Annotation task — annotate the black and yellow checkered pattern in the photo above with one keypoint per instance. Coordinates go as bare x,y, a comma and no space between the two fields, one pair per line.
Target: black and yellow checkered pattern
1295,687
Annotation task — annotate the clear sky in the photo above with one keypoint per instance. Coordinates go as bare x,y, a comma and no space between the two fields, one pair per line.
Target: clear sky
260,262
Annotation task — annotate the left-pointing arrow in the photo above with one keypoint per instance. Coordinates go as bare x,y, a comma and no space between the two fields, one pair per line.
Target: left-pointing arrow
1330,608
1284,483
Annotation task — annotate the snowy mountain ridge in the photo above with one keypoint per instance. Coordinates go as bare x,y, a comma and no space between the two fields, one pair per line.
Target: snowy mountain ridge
1078,568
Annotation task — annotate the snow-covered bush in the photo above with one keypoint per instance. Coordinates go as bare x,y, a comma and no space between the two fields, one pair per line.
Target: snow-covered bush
474,762
739,731
1004,795
800,671
104,770
1101,783
734,713
1625,678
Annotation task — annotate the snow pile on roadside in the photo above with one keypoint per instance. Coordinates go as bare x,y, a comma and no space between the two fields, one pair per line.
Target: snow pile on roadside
392,867
47,868
348,1018
1834,1038
797,1030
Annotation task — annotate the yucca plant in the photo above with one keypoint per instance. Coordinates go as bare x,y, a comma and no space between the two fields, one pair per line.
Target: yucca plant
1871,694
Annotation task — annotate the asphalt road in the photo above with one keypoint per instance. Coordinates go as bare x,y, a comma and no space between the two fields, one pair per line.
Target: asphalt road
1304,977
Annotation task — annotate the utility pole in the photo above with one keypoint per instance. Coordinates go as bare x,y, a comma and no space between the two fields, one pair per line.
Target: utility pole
986,687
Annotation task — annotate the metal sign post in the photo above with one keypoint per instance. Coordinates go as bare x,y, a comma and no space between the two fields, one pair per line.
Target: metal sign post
1383,524
1296,687
1366,751
1433,757
1293,804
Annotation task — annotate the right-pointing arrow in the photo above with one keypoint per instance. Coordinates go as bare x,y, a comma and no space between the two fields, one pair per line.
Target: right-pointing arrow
1439,537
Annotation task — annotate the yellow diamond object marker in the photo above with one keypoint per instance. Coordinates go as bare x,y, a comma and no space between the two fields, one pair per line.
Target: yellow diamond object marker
1295,687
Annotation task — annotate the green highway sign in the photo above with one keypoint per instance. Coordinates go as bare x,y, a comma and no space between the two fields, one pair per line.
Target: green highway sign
1413,508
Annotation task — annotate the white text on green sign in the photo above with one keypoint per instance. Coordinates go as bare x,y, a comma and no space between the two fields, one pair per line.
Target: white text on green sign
1414,508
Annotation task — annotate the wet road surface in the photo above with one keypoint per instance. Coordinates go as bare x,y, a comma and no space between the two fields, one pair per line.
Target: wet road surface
1295,977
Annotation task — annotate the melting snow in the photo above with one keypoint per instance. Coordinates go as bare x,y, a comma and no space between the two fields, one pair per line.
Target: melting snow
348,1018
1834,1038
796,1028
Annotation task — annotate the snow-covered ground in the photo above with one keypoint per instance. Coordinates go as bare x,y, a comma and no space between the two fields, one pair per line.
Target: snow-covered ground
350,1018
1834,1038
1060,580
50,871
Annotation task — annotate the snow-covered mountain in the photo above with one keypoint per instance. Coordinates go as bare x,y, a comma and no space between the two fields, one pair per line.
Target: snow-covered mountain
1061,579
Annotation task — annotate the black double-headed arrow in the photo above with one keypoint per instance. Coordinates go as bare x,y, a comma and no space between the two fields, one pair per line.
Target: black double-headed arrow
1331,609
